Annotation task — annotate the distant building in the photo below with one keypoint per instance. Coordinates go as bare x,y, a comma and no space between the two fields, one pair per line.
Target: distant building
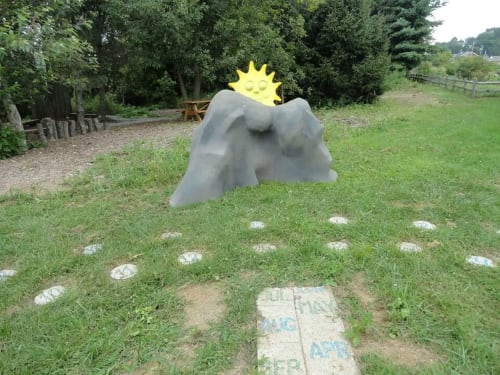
465,54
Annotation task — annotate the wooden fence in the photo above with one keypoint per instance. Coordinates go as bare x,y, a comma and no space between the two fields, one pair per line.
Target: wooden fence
474,87
48,129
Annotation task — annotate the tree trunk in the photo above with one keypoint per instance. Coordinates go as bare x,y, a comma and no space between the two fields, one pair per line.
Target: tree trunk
182,86
13,115
197,83
102,103
80,112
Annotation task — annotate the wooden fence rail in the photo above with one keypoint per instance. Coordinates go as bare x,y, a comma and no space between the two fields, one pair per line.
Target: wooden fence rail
474,87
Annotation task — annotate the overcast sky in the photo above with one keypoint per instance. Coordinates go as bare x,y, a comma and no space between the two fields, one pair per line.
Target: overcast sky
466,18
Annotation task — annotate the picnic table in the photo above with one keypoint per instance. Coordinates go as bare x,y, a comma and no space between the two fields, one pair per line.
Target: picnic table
195,108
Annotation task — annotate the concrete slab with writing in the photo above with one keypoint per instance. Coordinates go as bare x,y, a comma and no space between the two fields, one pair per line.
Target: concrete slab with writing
301,333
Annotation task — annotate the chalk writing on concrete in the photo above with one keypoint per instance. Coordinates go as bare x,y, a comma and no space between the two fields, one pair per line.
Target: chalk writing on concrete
309,290
324,349
315,307
275,295
276,325
282,367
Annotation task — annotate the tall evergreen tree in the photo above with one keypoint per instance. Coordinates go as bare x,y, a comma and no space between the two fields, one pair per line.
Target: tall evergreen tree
409,28
346,59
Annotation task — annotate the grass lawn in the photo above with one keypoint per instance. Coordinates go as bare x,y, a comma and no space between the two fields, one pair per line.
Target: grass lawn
420,153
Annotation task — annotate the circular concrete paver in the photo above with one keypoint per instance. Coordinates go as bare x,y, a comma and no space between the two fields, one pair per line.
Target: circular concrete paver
422,224
4,274
123,272
409,247
92,249
49,295
337,245
170,235
480,261
263,247
257,225
338,220
189,257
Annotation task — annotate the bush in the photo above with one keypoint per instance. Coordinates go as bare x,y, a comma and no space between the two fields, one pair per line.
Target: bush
12,142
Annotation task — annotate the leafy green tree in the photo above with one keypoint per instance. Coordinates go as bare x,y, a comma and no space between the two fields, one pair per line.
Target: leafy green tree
200,44
490,41
347,56
473,68
409,28
39,45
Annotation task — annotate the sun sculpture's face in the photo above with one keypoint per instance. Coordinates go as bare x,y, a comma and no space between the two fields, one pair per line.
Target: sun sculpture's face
257,85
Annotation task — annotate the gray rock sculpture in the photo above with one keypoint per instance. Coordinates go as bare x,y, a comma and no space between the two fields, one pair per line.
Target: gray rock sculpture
241,142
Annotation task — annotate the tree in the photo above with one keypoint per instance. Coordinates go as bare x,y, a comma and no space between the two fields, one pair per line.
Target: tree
347,56
39,45
409,28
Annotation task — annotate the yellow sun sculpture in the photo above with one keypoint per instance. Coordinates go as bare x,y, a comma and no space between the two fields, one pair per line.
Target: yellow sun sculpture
257,85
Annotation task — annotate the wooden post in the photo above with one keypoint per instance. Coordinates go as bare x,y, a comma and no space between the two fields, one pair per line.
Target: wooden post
81,127
65,129
41,132
88,124
474,85
51,129
97,124
59,127
72,128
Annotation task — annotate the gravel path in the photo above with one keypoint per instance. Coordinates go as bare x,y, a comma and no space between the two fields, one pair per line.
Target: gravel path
46,168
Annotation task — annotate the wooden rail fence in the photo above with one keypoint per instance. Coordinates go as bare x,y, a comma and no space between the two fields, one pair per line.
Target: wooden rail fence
474,87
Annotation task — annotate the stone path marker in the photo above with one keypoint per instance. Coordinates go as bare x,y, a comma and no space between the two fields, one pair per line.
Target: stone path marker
421,224
338,245
49,295
338,220
409,247
480,261
92,249
257,225
301,333
123,272
169,235
189,258
4,274
264,247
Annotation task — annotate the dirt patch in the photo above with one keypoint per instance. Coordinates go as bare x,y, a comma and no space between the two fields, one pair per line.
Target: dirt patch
412,97
46,168
241,365
374,341
204,305
353,121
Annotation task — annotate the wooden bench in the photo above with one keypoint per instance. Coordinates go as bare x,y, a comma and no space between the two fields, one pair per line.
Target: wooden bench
195,108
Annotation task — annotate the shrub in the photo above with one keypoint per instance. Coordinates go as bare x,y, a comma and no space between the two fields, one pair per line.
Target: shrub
12,142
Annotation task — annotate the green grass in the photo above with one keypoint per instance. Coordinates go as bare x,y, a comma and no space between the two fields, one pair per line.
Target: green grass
419,154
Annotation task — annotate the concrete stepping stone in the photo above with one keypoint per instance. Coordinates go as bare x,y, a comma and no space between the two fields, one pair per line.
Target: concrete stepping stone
49,295
170,235
421,224
409,247
5,274
91,249
480,261
257,225
123,272
190,257
301,333
338,245
338,220
264,247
